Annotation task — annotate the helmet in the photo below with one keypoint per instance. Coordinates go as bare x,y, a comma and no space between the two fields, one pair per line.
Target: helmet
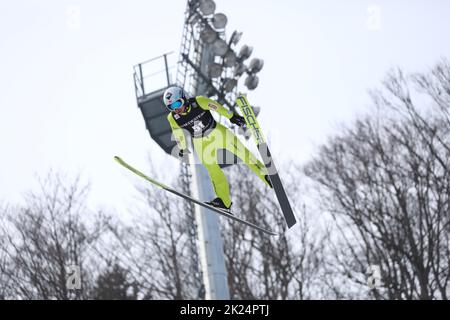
174,98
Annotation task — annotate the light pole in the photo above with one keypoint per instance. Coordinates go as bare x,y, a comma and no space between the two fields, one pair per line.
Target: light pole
215,68
210,240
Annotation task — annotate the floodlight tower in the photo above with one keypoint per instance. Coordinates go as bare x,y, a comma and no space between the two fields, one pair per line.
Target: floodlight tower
210,66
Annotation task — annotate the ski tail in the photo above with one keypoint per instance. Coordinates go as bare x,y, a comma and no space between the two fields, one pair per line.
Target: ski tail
253,125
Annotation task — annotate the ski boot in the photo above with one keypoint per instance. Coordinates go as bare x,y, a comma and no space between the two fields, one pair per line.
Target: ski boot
218,203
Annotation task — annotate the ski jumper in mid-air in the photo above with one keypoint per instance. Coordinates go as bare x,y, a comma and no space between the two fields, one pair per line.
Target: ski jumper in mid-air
193,116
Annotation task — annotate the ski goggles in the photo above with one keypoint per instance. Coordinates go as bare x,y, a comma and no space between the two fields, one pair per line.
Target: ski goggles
177,104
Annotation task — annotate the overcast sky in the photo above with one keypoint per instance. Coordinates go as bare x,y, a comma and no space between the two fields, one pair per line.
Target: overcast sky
67,96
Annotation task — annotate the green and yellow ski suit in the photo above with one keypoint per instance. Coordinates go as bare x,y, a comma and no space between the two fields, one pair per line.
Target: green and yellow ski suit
209,137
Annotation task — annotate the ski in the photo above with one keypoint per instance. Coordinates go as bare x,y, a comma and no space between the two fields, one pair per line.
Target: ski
253,125
188,198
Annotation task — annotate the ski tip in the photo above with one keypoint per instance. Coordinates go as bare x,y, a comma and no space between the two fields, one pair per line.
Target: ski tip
119,160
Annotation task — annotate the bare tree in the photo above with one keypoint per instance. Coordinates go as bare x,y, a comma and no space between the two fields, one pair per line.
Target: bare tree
152,257
263,267
155,247
158,252
45,236
386,182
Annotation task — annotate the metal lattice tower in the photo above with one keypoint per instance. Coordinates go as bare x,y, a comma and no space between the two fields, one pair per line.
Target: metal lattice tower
188,73
185,79
195,56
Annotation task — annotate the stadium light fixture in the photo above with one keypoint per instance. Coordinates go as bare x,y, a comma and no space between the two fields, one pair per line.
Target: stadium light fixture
207,7
208,35
245,52
220,47
214,70
235,37
256,65
251,82
239,70
230,59
219,21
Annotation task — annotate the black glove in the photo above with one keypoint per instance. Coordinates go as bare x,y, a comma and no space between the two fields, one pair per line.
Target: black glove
238,120
183,152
